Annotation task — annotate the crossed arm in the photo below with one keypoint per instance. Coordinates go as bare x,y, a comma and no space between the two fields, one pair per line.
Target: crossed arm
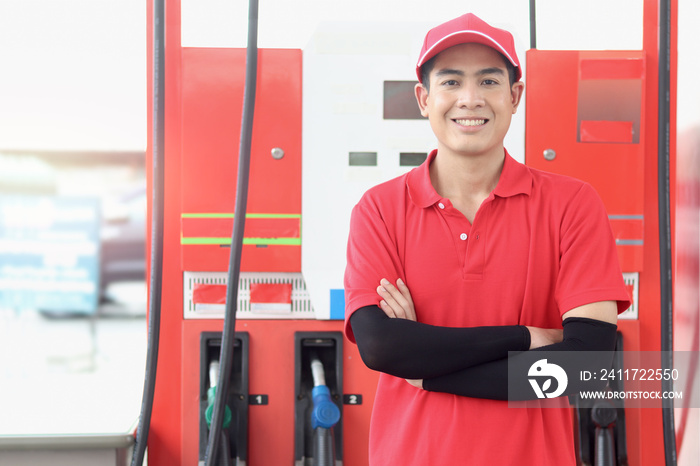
466,361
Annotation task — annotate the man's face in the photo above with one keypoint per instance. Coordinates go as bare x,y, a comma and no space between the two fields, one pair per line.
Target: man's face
470,103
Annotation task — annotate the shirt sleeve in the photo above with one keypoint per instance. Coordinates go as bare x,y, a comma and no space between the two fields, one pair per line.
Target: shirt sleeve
372,254
589,266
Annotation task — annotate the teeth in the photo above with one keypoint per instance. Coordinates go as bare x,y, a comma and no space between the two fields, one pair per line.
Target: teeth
471,122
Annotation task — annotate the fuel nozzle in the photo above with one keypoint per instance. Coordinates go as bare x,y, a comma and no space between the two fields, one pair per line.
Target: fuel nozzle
324,416
325,413
604,416
211,395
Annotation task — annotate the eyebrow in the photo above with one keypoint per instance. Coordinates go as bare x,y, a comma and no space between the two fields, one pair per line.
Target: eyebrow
485,71
494,70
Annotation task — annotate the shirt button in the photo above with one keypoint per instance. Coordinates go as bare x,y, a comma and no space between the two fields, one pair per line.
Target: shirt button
463,236
441,205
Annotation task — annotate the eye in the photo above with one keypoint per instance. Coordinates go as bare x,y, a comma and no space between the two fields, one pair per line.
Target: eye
490,82
450,82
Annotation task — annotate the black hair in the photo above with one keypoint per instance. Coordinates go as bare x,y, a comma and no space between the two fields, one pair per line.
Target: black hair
430,64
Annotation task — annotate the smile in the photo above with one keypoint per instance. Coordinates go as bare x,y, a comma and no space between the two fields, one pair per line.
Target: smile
471,122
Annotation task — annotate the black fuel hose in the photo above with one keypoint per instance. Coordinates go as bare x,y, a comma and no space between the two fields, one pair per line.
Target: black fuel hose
234,267
665,250
533,24
156,259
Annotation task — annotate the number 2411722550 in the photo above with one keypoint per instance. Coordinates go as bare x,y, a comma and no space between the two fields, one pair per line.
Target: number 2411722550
639,374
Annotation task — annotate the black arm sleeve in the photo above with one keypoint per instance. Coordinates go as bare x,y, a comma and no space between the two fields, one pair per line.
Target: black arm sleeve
490,380
414,350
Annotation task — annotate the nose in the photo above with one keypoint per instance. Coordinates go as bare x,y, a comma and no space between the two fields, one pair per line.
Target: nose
470,96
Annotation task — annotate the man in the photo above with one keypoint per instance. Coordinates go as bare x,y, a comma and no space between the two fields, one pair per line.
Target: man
495,256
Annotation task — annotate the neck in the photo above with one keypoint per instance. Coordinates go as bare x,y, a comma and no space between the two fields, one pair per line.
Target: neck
464,178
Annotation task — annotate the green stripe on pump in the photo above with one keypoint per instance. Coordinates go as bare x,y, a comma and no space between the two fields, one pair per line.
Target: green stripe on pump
254,241
220,215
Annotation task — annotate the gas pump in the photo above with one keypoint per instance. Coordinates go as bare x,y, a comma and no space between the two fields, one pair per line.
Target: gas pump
203,97
595,115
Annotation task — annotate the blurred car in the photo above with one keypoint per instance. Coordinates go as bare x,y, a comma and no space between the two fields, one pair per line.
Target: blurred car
123,239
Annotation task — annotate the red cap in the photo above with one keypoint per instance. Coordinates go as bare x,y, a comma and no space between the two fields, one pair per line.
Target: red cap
464,30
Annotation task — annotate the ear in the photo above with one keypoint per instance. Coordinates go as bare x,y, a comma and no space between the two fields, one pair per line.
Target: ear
422,98
516,94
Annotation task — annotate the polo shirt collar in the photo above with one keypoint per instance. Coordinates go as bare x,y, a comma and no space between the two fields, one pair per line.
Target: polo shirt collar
515,179
419,186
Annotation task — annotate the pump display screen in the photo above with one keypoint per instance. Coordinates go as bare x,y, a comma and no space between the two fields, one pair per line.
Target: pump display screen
400,101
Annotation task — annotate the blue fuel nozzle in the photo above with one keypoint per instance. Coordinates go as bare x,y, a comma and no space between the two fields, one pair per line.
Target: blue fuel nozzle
325,413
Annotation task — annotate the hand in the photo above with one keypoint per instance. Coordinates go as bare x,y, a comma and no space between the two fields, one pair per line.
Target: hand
396,300
540,337
418,383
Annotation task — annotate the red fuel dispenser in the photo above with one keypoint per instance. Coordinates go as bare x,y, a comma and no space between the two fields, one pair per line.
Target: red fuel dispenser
203,101
594,115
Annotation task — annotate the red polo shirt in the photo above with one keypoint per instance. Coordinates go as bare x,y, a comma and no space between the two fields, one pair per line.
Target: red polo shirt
539,246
